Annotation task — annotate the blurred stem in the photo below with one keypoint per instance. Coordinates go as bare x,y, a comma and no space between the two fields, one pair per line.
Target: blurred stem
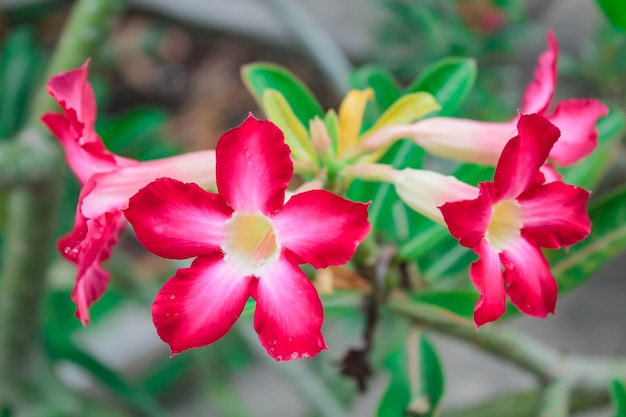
527,404
322,49
25,160
556,398
31,217
300,375
543,361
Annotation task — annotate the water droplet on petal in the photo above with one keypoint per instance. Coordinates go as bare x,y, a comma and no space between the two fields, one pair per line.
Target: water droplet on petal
67,249
172,297
294,355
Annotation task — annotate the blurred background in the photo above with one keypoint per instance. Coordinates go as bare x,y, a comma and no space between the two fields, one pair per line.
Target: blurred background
167,81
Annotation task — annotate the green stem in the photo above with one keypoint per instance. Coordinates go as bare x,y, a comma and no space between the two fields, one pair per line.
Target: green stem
299,374
324,51
529,355
527,404
31,217
556,398
25,160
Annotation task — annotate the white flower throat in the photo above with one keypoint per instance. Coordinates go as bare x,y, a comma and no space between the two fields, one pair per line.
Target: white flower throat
505,224
250,242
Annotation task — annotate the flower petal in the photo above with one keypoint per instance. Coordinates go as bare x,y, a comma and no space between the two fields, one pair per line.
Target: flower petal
486,275
75,96
531,286
555,215
425,191
468,220
539,93
88,246
177,220
253,167
113,189
521,159
84,161
289,313
321,228
576,118
452,138
198,305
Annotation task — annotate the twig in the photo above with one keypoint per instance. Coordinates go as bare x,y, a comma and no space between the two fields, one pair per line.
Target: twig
324,51
543,361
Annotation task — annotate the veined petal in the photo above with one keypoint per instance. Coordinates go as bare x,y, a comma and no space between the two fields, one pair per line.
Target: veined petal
321,228
113,189
576,118
486,275
177,220
88,246
289,313
253,167
539,93
555,215
468,220
452,138
425,191
523,156
531,286
198,305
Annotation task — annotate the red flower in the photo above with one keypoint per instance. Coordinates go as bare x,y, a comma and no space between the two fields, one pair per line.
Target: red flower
512,218
108,182
482,142
248,243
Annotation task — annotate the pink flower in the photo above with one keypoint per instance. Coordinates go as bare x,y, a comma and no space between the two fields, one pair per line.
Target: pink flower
108,182
482,142
248,243
512,218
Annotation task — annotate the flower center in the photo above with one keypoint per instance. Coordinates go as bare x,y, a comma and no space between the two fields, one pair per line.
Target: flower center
505,224
250,242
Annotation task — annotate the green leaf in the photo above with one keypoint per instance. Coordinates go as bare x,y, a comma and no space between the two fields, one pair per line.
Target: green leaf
575,265
259,76
618,396
459,302
137,134
449,80
614,11
296,134
417,380
20,67
381,80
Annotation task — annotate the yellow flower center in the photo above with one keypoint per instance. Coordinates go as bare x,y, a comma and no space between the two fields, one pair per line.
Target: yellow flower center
250,242
505,225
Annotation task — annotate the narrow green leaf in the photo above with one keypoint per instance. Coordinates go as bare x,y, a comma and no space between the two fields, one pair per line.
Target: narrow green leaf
296,135
417,380
614,11
406,109
381,80
259,76
575,265
618,396
331,120
459,302
131,395
449,80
